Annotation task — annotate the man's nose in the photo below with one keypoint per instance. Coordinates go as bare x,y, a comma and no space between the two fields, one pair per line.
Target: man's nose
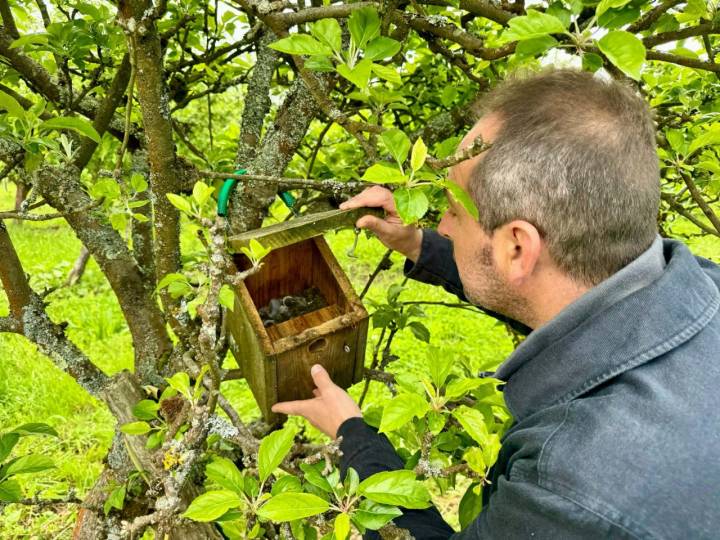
443,228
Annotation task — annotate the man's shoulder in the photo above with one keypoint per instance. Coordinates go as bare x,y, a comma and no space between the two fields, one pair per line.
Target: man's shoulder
640,452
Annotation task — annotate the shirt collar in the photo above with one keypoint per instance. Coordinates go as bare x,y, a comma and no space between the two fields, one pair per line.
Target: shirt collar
623,321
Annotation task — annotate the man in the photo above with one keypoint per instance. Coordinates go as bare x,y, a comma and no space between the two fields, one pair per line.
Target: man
615,393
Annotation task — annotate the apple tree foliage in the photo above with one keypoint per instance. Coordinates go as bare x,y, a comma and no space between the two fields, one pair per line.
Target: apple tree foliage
123,118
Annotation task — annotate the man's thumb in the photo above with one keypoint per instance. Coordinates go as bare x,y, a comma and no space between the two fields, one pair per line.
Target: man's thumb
320,377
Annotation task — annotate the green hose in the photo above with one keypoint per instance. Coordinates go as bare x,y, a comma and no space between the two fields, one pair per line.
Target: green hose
229,185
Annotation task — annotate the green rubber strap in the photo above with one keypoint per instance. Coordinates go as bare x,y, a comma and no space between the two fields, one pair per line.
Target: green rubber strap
225,192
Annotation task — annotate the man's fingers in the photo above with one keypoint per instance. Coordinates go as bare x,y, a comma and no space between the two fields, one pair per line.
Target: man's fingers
374,197
300,407
379,226
321,378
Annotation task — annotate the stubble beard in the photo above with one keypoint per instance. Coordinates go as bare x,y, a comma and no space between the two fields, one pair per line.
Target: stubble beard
484,287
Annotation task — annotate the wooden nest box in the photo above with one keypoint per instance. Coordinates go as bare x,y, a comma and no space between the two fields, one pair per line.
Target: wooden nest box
276,357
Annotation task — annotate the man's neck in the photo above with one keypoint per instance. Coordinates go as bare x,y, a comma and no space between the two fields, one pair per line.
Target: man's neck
549,294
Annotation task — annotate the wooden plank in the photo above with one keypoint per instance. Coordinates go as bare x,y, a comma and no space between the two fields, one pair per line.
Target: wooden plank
335,352
302,228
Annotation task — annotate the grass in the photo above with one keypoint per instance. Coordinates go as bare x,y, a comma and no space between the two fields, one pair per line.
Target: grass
32,389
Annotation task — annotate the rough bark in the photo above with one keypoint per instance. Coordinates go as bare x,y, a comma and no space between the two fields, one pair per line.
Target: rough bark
250,202
28,312
64,192
144,42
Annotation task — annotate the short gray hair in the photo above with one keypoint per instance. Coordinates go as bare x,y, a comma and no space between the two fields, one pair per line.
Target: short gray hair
575,156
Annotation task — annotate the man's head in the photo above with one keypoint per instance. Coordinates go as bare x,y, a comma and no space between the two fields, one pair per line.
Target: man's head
570,187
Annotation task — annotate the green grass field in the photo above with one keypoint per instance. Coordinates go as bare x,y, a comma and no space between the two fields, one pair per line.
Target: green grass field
32,389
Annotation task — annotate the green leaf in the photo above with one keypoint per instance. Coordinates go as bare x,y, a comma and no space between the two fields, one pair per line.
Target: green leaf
181,382
709,138
301,44
10,491
107,188
420,331
146,409
411,204
533,25
364,25
320,63
625,51
460,387
7,443
79,125
171,278
558,10
202,192
225,473
384,173
287,483
591,62
313,476
604,5
529,48
374,516
470,506
116,500
341,526
273,450
387,73
397,143
135,428
474,458
399,488
352,480
34,428
440,365
28,464
328,31
212,505
138,183
227,297
382,47
179,202
291,506
473,422
359,75
617,18
10,104
418,155
463,197
30,39
255,251
402,409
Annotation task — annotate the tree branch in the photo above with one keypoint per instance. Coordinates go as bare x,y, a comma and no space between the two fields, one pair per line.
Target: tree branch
257,102
62,190
31,319
8,19
682,61
649,18
486,10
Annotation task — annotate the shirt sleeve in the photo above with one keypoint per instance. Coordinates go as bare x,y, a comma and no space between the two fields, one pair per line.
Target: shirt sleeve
436,266
369,452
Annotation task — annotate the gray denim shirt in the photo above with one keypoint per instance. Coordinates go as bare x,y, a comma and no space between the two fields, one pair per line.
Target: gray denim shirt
616,404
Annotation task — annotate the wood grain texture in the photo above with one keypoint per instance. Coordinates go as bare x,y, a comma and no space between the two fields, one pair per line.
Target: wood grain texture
276,360
302,228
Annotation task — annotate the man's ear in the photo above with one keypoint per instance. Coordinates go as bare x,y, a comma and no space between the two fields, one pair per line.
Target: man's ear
517,247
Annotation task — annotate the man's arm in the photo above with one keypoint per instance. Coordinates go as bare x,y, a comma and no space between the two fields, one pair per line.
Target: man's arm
334,413
369,452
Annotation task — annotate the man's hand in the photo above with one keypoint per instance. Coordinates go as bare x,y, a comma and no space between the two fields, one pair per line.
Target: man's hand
391,231
330,407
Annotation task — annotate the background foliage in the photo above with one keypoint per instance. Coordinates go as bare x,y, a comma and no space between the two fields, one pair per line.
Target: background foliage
117,124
